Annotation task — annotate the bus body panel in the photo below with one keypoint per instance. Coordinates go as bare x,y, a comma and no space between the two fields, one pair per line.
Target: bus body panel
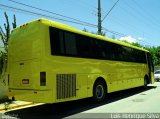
67,78
24,57
32,95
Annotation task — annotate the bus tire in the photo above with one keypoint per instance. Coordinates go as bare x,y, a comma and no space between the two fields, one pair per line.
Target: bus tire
145,82
99,91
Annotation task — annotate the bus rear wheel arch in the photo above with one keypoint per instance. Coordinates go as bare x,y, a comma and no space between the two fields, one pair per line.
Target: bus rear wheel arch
99,90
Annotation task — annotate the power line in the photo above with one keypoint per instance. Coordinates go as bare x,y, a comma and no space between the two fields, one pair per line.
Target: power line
114,32
110,10
126,25
149,15
148,20
77,21
126,11
61,19
52,17
47,11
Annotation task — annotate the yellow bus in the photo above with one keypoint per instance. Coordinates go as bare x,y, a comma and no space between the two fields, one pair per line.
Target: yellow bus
51,62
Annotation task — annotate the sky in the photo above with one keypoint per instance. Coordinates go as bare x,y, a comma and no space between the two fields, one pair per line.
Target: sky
138,20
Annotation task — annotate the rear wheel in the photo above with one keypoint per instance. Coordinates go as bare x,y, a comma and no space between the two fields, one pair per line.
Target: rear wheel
99,91
145,82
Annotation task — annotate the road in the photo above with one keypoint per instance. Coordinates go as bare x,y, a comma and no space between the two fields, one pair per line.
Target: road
137,100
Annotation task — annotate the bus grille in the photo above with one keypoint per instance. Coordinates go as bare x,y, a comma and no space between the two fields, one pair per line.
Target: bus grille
66,85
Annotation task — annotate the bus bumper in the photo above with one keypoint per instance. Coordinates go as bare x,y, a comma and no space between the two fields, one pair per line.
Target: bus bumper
37,96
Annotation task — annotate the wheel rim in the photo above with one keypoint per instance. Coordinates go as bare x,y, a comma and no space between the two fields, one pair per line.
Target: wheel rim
99,91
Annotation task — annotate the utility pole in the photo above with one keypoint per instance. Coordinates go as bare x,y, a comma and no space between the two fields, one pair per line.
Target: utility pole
99,18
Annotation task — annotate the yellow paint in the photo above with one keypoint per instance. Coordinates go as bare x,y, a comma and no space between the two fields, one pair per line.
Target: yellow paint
29,54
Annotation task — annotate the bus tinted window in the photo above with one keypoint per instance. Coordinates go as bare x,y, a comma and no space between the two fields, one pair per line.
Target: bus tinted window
72,44
56,41
98,49
83,46
139,56
128,54
110,51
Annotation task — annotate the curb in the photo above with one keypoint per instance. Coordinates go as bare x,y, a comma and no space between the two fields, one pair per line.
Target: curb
14,105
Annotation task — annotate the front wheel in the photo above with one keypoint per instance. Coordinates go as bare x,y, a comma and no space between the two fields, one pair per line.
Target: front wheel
99,91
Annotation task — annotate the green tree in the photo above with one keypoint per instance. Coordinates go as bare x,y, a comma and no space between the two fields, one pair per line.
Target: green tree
4,37
137,44
155,52
134,43
102,33
85,30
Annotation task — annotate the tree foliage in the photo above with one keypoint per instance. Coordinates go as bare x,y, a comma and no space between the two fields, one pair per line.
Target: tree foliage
102,33
155,52
4,37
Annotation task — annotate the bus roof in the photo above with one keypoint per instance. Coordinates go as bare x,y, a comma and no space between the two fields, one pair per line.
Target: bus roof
74,30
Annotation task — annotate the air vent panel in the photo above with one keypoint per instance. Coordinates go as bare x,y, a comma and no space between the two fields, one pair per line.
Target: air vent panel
66,85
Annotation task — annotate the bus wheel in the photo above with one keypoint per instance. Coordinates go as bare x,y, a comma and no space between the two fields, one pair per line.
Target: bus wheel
145,82
99,91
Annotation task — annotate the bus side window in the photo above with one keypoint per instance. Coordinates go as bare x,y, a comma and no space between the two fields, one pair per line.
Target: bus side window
83,46
70,44
97,49
56,41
